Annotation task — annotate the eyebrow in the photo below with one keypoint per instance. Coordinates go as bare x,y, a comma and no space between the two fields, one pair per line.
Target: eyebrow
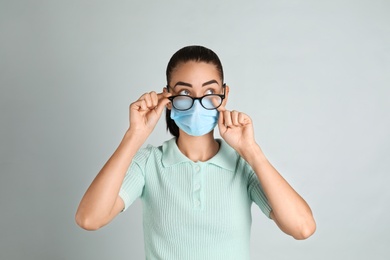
181,83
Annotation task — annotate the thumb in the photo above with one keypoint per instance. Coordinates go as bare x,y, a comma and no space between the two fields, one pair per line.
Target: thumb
162,102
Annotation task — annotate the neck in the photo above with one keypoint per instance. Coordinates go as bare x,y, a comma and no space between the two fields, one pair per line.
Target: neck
198,148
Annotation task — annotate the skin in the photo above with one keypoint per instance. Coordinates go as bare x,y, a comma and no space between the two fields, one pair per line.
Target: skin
101,202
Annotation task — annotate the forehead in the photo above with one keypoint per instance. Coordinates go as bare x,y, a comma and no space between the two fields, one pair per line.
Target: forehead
195,72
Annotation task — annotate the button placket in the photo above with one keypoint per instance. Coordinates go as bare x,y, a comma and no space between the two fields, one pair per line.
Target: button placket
197,187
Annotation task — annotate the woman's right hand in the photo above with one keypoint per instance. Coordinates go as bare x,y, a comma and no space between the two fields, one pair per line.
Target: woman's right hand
101,202
146,111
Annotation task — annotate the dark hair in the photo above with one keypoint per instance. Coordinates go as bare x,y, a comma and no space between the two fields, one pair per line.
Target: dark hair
189,53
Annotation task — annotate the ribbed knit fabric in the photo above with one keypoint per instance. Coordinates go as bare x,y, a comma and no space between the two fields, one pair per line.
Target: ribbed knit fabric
194,210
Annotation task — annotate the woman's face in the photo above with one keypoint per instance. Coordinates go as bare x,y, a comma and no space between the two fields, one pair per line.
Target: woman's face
195,79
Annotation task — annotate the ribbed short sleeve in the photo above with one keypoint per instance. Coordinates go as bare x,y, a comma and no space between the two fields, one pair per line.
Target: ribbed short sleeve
134,181
256,192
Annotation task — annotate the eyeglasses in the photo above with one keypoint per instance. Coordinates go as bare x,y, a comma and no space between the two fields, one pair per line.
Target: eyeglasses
209,102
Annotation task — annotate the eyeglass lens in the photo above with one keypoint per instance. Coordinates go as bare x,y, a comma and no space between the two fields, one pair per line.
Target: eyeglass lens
186,102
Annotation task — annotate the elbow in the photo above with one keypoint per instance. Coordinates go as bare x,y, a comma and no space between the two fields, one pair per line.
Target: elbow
305,231
86,222
299,229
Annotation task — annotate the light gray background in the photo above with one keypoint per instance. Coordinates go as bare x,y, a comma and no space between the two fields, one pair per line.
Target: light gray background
313,75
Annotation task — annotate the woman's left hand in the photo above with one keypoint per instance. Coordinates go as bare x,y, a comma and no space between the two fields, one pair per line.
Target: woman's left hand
236,129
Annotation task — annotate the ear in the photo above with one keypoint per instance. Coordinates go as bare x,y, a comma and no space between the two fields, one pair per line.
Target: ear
227,90
169,105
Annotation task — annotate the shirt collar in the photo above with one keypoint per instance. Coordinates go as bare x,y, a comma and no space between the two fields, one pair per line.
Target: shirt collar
225,158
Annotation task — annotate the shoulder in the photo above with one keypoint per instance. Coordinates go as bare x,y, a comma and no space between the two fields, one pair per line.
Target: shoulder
144,154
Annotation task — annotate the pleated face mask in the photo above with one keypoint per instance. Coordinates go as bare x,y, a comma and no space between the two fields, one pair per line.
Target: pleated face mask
197,120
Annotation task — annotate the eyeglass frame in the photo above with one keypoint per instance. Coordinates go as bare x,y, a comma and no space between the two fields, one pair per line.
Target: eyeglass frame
222,96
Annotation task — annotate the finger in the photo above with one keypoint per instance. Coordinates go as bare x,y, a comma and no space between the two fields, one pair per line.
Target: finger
161,105
234,117
163,95
227,118
148,101
154,98
244,119
162,102
241,119
143,105
138,105
143,96
221,123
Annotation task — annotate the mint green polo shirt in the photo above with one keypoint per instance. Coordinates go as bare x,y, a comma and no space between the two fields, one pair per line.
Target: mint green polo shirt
194,210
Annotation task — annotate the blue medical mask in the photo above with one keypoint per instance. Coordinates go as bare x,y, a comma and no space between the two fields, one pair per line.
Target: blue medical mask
197,120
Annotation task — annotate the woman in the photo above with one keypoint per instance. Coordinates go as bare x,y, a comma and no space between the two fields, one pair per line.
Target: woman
196,191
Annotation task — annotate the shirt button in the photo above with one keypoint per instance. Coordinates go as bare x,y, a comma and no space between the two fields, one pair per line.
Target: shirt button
197,168
197,186
197,203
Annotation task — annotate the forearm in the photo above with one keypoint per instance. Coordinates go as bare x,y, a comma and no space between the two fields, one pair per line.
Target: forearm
289,210
96,206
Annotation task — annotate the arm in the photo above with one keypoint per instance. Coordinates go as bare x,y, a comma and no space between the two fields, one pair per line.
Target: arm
101,202
289,211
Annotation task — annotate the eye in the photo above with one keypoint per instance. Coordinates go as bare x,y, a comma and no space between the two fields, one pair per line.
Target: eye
184,92
209,91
